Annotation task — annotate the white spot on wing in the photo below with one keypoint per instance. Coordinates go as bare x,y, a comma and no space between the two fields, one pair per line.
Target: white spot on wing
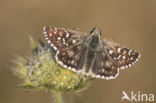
60,33
123,57
50,34
44,28
131,58
118,57
65,66
130,65
114,58
126,66
45,36
49,41
98,76
64,40
129,52
103,77
67,35
110,52
73,41
72,62
54,48
51,45
55,28
119,50
107,78
122,67
58,38
45,32
55,32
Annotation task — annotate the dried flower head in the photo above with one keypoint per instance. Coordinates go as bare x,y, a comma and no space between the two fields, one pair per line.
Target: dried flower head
40,71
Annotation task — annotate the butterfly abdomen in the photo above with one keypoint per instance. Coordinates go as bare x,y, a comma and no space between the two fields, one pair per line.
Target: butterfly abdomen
91,53
90,57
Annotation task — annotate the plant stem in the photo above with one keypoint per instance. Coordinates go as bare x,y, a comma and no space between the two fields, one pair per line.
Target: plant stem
58,96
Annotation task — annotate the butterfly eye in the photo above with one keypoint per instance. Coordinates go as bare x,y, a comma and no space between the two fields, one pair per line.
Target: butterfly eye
92,31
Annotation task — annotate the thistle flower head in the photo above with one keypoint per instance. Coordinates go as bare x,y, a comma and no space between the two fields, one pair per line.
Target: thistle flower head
41,71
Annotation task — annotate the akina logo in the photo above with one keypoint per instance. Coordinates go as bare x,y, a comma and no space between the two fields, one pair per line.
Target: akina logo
137,96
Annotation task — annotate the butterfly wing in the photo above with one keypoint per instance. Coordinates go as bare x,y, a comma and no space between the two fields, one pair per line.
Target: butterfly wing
104,67
62,38
70,51
124,57
111,58
72,58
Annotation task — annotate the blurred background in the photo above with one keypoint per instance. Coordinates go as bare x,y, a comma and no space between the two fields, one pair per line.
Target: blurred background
128,22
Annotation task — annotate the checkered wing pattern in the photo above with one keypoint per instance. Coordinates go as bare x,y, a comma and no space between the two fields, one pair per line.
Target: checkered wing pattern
70,51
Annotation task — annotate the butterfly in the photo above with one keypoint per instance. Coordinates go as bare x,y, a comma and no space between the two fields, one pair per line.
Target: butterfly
89,54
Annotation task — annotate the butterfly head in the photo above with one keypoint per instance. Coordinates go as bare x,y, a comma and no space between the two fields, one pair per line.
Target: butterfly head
95,32
94,38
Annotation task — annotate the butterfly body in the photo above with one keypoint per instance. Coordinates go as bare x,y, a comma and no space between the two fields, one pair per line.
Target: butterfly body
89,54
93,43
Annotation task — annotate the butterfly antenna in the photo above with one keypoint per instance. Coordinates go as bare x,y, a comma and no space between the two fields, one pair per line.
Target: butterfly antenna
76,28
